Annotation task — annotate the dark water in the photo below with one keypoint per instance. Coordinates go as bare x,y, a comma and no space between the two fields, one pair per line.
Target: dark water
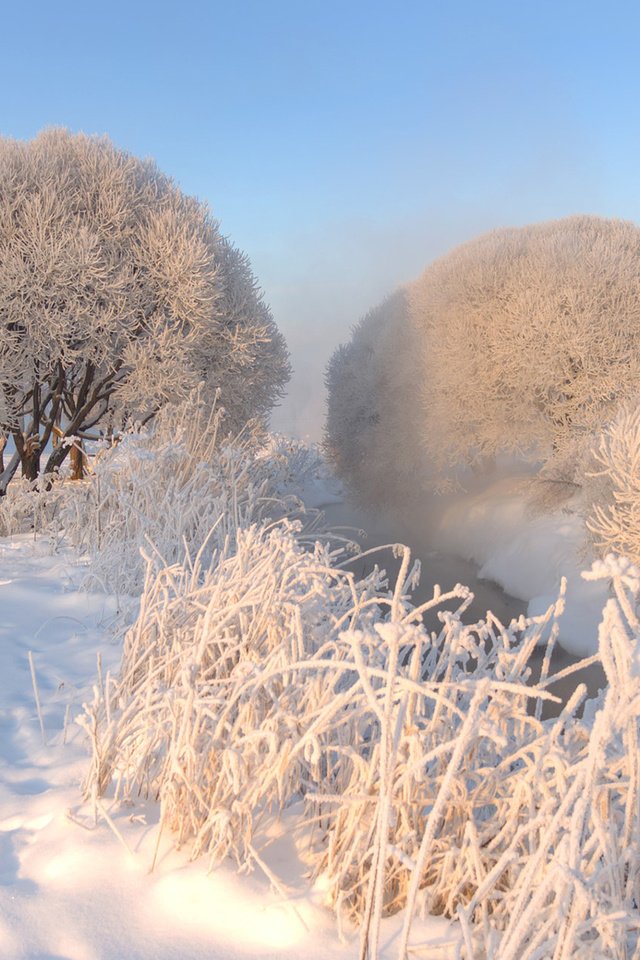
447,570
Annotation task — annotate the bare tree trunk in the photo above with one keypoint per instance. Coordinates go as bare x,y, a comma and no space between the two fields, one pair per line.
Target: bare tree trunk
8,473
31,454
57,457
77,461
31,458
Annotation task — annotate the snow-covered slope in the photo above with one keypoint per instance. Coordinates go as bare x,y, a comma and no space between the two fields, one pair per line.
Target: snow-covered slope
527,551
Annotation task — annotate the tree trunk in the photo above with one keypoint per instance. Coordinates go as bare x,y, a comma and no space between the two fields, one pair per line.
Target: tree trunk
77,461
31,458
57,457
8,473
31,454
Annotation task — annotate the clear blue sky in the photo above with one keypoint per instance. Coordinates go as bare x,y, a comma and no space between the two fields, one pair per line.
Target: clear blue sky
345,145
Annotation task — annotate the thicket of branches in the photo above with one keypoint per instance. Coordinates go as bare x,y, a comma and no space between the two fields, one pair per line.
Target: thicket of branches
117,294
179,481
522,341
612,488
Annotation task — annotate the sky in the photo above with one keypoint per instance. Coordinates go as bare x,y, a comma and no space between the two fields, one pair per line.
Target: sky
345,145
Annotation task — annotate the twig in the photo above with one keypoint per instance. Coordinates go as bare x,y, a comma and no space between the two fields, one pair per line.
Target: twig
36,695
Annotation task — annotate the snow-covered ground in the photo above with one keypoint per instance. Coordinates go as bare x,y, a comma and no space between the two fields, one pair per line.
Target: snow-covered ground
71,889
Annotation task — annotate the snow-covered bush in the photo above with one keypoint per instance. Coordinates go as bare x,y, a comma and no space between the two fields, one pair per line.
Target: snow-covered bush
521,341
213,695
117,294
612,489
567,882
178,485
531,335
36,505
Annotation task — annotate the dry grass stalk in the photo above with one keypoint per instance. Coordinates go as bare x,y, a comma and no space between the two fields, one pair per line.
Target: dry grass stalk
258,672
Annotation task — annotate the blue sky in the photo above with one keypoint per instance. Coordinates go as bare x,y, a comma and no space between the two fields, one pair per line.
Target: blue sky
345,145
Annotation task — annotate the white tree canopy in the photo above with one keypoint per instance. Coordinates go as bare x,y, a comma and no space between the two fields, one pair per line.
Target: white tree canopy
530,336
522,341
117,294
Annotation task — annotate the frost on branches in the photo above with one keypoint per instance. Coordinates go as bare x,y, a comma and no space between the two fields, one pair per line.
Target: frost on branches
179,483
117,294
521,341
260,671
612,489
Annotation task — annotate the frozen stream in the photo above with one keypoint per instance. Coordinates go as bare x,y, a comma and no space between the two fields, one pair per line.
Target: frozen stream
446,570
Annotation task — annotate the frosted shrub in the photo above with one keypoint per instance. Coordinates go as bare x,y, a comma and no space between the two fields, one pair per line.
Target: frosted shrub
214,692
573,886
421,799
297,470
372,384
612,490
530,336
118,294
179,483
36,505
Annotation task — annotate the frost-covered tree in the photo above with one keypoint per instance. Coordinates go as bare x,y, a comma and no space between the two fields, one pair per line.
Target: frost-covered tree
530,337
521,341
612,487
117,294
371,384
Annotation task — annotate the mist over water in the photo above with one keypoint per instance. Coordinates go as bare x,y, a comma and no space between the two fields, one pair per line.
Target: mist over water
417,529
437,567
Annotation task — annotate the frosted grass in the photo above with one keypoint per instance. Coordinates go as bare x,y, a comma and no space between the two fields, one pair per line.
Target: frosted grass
260,672
429,781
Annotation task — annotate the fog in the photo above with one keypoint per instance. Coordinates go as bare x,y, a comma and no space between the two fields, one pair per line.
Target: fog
335,274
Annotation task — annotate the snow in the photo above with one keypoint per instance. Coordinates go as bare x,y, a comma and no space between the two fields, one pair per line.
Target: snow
527,551
73,890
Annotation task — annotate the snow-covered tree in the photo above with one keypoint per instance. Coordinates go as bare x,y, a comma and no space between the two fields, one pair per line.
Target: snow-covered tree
521,341
117,294
612,487
370,386
531,337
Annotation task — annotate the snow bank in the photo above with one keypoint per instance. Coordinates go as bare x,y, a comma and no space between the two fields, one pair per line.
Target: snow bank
527,551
